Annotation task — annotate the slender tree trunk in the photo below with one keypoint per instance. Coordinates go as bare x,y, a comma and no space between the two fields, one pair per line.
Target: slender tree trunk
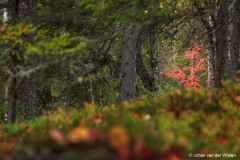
209,25
222,19
68,100
48,96
11,90
91,91
235,41
141,69
11,116
5,15
211,53
111,76
10,15
6,101
45,96
154,53
68,93
128,63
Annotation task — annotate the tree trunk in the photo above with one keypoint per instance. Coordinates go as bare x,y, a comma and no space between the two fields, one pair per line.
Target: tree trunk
11,90
11,98
28,9
27,94
48,97
111,76
45,96
222,19
209,25
154,53
235,41
211,53
128,63
4,12
141,69
27,89
12,80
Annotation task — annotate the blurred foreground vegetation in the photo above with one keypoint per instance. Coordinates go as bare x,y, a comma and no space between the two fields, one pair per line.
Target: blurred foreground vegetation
168,127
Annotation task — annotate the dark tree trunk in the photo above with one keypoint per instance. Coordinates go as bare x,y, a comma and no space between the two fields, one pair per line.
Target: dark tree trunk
45,96
222,19
128,63
12,80
154,53
28,9
11,98
18,11
235,40
27,94
12,89
68,94
27,89
13,11
48,96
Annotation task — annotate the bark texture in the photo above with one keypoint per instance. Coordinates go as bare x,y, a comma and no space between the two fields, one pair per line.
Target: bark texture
28,9
27,92
128,62
27,95
154,53
221,33
235,40
211,52
27,89
12,80
11,98
111,75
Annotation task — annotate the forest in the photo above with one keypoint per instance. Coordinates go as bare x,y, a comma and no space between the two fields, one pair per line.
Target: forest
119,79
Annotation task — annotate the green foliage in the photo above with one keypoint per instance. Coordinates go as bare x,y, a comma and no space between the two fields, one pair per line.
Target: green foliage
188,121
41,43
56,45
13,33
